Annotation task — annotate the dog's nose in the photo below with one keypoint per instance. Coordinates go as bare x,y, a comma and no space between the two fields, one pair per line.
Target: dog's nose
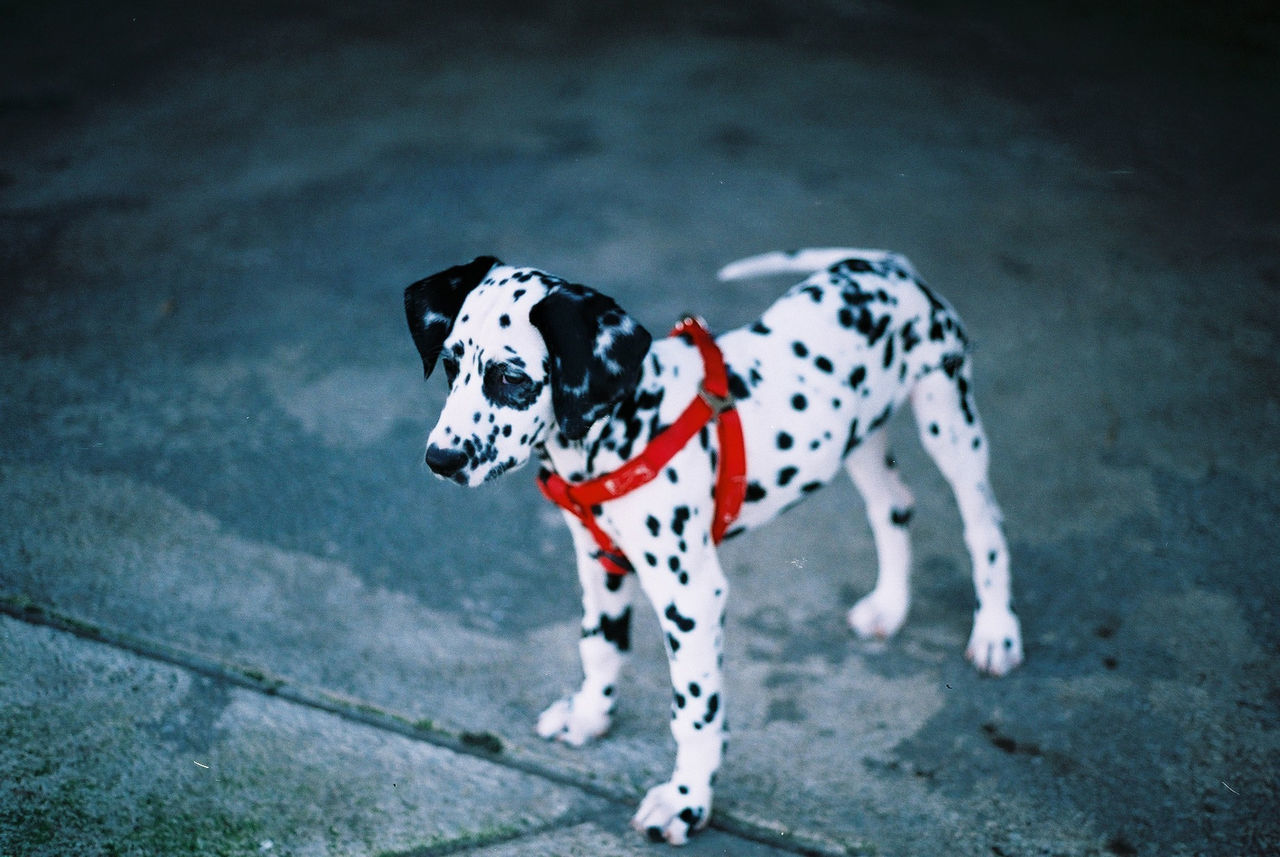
445,462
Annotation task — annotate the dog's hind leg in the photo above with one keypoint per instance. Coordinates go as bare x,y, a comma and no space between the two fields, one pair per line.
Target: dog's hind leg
889,508
951,432
605,642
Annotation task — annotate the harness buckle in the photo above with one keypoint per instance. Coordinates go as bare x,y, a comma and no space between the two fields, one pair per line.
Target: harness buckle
718,404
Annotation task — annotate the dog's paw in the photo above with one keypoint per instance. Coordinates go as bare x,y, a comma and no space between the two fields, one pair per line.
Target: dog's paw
995,647
671,812
574,721
878,616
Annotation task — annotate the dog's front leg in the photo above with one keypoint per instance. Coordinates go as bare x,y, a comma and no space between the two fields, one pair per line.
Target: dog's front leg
606,639
688,592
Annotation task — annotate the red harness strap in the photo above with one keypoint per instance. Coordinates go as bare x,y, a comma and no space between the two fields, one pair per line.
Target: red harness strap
713,403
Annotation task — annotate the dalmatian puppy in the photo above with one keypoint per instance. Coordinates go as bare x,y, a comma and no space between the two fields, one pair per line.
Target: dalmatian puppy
542,368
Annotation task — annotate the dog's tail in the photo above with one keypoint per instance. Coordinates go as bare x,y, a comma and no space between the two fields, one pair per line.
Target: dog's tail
801,261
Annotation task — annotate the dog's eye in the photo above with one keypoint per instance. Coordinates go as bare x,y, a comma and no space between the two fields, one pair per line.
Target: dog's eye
508,385
507,377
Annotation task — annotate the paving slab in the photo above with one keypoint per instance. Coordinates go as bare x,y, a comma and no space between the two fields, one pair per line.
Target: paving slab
107,752
211,423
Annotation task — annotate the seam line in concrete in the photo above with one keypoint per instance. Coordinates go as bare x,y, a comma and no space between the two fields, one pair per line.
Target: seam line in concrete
484,746
479,843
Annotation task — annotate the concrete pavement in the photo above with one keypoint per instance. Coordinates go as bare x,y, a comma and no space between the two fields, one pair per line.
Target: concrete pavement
239,617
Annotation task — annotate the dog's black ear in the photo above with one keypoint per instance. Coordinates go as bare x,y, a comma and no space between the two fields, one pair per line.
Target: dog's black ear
596,353
432,305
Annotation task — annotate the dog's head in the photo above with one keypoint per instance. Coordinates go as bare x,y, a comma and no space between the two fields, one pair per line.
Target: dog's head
524,354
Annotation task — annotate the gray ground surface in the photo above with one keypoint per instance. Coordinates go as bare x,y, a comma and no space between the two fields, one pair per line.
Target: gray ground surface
240,616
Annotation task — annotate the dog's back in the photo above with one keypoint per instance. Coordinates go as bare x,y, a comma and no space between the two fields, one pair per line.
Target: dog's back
828,364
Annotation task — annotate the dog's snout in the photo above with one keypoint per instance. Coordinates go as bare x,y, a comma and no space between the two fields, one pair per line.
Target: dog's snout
445,462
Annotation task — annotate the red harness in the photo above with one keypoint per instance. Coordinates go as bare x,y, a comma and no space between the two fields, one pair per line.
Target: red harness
712,404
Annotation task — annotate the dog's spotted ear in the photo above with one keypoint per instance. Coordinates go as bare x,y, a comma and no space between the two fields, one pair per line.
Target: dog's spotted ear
596,352
432,305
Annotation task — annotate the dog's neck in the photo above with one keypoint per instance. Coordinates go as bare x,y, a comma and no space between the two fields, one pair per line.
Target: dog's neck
669,379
